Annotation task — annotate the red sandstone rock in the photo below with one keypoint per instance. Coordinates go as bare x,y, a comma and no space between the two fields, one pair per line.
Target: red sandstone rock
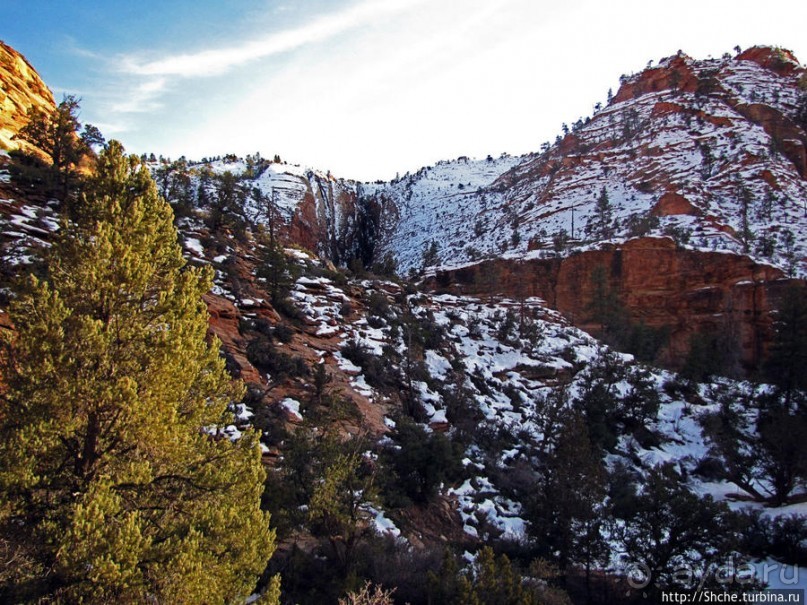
778,60
690,292
673,203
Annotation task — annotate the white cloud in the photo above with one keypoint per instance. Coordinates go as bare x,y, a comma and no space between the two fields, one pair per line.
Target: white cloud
142,98
387,86
220,60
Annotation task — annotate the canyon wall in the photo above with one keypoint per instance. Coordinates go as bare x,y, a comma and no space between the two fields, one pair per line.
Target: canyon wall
685,291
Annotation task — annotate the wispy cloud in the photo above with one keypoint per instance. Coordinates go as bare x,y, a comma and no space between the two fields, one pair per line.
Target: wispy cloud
142,98
218,61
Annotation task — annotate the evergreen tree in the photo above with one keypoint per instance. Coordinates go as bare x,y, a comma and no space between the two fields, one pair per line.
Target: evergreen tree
58,135
335,508
672,529
227,204
275,268
566,513
603,215
746,235
730,431
420,462
788,355
607,310
113,459
494,581
759,437
431,255
487,278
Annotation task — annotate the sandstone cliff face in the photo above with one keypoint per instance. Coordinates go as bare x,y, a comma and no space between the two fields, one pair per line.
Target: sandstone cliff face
325,220
659,283
20,89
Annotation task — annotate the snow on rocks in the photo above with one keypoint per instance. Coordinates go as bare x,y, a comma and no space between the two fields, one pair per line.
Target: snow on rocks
292,408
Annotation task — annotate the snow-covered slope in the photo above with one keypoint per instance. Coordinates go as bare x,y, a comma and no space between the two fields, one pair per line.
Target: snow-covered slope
711,152
442,203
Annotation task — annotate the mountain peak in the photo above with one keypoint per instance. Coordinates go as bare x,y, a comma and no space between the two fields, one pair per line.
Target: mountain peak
777,59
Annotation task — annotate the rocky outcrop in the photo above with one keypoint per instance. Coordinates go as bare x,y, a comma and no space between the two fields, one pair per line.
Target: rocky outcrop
20,89
675,75
672,203
788,137
778,60
688,292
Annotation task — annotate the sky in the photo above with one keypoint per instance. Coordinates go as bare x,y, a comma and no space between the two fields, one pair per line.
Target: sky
365,88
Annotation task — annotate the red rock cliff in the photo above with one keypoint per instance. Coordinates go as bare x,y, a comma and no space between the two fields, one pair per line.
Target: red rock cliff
687,291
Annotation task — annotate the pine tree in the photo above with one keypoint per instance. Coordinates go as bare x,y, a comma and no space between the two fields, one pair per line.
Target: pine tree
113,458
603,215
788,355
275,268
565,511
494,581
56,133
746,235
335,509
431,255
672,529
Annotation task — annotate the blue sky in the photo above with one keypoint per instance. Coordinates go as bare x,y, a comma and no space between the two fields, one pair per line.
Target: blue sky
364,88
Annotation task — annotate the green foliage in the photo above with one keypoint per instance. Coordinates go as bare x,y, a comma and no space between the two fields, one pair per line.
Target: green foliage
389,561
443,585
671,528
603,215
58,135
495,581
801,109
729,430
112,457
616,328
226,205
431,255
760,442
639,225
711,353
176,186
608,408
320,383
783,537
781,444
275,268
565,511
323,483
386,267
680,234
263,354
420,463
30,172
788,356
745,198
605,307
335,508
378,371
378,305
492,579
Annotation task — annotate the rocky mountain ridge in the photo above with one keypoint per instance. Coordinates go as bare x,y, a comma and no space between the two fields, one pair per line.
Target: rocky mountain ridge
480,355
703,161
707,155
